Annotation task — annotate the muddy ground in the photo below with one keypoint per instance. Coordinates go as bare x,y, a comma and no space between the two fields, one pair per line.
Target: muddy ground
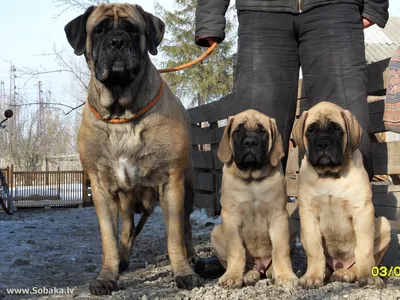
50,250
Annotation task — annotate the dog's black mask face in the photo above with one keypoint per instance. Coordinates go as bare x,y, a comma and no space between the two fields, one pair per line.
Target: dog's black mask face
116,52
250,147
325,145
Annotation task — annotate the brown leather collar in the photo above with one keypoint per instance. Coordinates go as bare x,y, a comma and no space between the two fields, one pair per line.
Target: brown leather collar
136,115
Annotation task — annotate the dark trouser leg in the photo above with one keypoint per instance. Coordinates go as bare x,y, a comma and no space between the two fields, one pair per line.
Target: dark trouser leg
268,68
333,63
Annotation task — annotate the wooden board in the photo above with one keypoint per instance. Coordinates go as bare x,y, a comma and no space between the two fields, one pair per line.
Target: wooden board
386,158
47,203
391,213
206,135
203,159
291,185
376,83
204,182
204,200
213,111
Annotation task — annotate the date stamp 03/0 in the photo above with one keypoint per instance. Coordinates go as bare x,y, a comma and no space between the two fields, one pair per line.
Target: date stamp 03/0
383,271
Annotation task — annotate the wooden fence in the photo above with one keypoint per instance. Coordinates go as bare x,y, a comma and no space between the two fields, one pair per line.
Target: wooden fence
208,168
47,188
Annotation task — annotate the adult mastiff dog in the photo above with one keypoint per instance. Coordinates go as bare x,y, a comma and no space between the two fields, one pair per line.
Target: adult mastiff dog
134,141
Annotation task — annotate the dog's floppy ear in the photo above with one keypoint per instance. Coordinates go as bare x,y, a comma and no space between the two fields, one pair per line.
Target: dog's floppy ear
155,29
298,130
353,131
224,150
276,152
76,31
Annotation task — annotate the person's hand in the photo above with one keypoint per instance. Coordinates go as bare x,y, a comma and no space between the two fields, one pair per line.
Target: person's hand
367,23
210,40
207,40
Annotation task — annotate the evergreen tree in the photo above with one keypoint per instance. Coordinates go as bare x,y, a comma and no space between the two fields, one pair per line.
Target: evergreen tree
204,82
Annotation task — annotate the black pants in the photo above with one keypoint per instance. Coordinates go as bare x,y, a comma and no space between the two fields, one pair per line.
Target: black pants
327,42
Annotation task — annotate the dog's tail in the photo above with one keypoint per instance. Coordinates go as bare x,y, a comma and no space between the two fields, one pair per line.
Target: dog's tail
140,225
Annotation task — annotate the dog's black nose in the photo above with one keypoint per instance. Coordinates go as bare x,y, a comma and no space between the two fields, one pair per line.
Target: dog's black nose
250,141
323,143
118,42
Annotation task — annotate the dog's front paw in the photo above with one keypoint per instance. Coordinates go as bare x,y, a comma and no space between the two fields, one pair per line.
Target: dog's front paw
230,280
344,275
103,287
370,280
251,277
290,280
189,281
311,281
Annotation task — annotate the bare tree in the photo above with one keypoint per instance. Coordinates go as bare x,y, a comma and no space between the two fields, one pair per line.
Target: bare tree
26,145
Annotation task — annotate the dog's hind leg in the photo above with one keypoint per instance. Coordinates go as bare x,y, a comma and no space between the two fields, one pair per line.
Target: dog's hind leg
128,230
107,214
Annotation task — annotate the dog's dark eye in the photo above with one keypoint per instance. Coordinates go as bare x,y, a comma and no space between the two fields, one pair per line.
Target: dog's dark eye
312,128
128,26
99,30
336,127
261,129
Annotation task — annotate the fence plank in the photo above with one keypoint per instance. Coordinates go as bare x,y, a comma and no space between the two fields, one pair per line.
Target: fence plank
206,135
204,182
204,200
202,159
386,158
213,111
375,79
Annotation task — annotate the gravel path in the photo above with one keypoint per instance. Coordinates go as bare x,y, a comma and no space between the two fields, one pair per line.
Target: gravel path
46,249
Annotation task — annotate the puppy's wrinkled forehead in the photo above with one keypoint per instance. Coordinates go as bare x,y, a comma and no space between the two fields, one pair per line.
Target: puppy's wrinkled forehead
251,120
116,12
325,113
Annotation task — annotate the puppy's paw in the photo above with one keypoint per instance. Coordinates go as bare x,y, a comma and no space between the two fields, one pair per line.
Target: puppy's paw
189,281
344,275
289,280
103,287
370,280
311,281
251,277
230,280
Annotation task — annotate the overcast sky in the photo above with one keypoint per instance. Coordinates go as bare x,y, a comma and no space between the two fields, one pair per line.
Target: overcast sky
29,29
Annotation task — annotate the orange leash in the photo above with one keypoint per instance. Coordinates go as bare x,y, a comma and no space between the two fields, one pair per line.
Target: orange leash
192,63
160,92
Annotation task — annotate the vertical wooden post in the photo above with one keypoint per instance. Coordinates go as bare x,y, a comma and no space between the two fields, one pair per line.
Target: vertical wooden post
84,188
11,181
214,147
58,183
47,171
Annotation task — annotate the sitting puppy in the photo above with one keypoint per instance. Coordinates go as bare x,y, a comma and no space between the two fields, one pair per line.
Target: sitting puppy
255,224
338,229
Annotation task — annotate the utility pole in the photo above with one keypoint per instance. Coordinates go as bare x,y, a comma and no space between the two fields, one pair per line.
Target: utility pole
2,94
13,87
40,111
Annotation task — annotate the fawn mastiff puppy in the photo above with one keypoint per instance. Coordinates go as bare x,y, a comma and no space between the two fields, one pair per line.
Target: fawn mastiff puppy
255,224
339,231
134,141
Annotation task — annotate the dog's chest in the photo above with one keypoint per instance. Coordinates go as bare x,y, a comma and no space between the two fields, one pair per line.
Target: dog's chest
134,161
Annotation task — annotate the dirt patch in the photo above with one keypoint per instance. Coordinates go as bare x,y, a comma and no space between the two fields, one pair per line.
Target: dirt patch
50,251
